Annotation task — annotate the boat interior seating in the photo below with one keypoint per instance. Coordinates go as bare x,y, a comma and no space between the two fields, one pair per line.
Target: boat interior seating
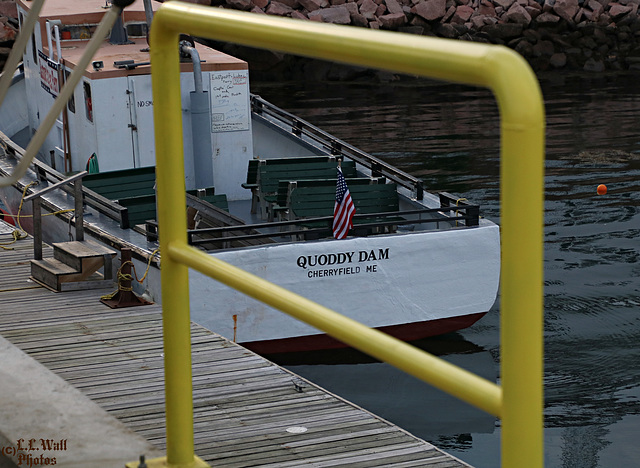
134,189
252,169
143,208
124,183
282,206
375,203
264,175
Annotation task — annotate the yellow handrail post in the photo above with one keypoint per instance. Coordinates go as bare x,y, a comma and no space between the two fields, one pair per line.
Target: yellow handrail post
521,276
173,221
520,400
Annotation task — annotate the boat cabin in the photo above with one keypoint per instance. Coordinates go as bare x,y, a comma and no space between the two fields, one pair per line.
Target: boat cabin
253,172
108,124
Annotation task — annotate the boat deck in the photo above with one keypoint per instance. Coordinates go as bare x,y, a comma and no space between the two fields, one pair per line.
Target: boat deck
247,410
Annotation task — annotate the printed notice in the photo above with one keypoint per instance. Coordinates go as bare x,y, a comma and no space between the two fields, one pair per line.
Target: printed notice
48,74
230,101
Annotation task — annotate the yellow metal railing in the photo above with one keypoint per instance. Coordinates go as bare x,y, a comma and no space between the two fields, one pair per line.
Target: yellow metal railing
518,401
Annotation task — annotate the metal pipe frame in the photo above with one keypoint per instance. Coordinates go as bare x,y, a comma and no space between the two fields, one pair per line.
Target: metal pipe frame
519,401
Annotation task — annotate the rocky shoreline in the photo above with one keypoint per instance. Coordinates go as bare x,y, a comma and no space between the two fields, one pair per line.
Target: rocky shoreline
8,28
584,35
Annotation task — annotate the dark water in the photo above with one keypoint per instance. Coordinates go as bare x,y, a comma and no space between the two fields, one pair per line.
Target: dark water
448,135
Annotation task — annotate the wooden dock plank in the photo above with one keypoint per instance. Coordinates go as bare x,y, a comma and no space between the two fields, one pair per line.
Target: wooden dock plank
243,404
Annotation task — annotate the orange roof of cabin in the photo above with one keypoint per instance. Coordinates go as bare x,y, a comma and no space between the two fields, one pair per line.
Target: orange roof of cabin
84,11
90,12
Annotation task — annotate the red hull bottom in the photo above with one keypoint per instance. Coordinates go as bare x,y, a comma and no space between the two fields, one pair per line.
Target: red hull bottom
404,332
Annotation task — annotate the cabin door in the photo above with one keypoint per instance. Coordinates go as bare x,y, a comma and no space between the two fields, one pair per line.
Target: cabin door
59,162
141,120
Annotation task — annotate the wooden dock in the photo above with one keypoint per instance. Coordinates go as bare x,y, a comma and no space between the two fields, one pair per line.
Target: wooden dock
247,410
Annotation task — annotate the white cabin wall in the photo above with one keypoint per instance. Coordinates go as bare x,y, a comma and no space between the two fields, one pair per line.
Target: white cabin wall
140,113
231,149
111,120
186,86
40,101
231,154
82,132
13,110
109,134
37,109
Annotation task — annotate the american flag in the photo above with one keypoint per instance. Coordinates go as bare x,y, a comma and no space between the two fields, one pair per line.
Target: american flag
343,210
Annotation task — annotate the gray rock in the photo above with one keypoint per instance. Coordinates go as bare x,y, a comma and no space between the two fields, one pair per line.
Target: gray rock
430,9
392,21
335,15
558,60
593,65
503,30
566,9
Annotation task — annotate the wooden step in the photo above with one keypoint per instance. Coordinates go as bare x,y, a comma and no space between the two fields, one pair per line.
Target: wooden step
61,277
72,253
84,256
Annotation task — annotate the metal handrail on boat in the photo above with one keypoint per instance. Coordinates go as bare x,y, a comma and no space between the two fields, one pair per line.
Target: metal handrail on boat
518,401
470,219
337,147
92,199
36,200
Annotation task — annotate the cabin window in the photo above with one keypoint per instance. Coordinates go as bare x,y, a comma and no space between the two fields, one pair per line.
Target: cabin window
136,29
80,31
71,104
88,103
34,50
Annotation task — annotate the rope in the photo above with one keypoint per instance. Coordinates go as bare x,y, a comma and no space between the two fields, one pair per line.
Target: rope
121,277
16,237
24,193
67,210
458,204
128,277
20,233
148,266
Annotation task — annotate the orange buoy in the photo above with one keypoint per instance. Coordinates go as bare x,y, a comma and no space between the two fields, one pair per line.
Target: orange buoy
602,189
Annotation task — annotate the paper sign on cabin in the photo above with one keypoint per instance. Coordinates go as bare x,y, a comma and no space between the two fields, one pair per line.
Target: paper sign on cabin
230,101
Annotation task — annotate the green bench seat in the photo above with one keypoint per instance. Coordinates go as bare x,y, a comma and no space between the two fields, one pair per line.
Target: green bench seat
269,177
140,208
124,183
219,201
282,167
318,200
143,208
280,206
252,169
208,194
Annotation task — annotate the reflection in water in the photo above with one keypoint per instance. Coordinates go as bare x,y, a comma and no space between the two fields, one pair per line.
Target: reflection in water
448,135
417,407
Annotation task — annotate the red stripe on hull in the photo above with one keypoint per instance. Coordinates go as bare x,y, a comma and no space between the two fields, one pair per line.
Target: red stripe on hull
404,332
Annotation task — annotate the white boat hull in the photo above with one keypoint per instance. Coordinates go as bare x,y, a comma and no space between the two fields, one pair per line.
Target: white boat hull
386,281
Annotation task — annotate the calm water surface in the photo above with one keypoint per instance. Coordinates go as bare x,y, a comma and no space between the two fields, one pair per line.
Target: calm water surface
448,135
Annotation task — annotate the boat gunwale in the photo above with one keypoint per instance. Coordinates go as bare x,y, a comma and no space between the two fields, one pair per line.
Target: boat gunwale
278,121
